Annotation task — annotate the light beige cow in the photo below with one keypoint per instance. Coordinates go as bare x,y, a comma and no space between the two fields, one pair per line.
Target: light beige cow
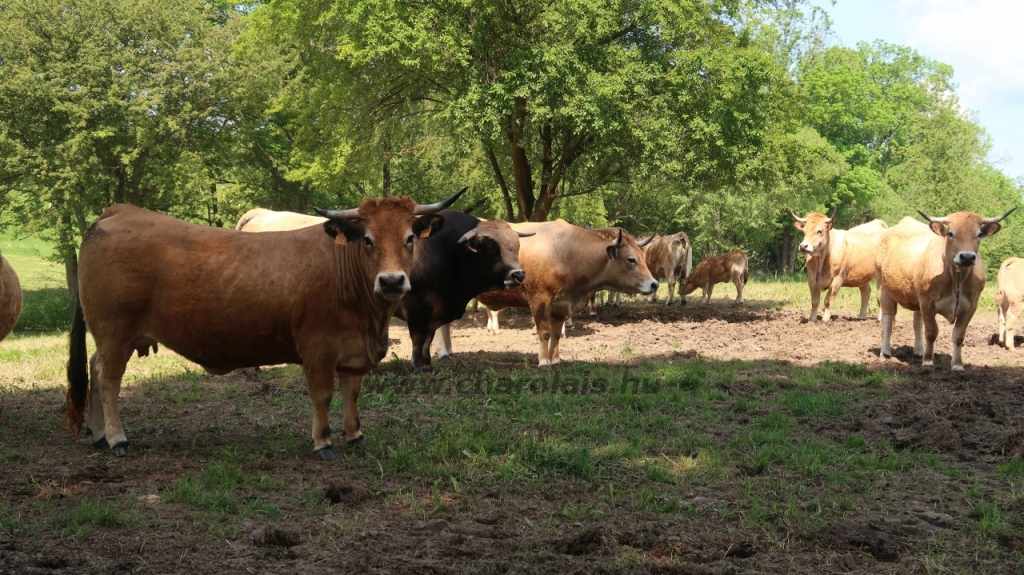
933,269
838,259
1009,298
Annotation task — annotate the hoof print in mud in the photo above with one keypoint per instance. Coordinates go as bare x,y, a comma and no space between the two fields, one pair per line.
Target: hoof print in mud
275,537
883,546
346,493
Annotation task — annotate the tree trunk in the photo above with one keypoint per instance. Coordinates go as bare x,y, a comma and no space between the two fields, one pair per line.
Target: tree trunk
386,169
66,247
521,173
215,206
509,210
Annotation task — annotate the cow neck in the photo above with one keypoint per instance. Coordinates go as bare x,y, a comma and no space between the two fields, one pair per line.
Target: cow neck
958,284
821,261
352,272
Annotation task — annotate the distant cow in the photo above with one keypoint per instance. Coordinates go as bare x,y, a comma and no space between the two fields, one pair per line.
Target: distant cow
10,298
565,264
1009,298
465,258
321,296
670,257
720,269
933,269
837,259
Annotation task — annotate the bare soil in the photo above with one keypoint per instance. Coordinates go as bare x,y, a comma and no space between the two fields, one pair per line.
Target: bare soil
349,516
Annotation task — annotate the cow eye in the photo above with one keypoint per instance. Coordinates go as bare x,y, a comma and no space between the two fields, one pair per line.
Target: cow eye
408,240
819,232
368,241
631,260
950,234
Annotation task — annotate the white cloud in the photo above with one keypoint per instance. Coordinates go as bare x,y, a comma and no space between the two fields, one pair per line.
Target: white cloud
981,39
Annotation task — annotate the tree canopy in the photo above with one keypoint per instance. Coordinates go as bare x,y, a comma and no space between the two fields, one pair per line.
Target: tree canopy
708,116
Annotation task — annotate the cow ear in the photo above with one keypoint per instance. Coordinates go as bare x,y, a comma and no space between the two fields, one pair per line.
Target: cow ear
798,225
938,228
472,244
990,229
426,225
343,231
613,252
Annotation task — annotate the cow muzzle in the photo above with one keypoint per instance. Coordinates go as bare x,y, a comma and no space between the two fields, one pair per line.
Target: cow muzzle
392,286
965,259
515,278
649,287
805,247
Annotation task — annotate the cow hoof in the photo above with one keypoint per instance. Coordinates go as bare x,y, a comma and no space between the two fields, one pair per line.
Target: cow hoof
958,368
326,453
120,449
422,368
100,443
358,443
445,358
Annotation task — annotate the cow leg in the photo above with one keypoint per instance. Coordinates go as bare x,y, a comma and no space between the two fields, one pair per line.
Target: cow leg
542,319
350,386
320,385
654,296
1001,314
110,370
931,331
1008,326
421,336
592,305
97,425
492,321
918,333
830,296
887,307
555,340
738,280
443,343
815,301
671,288
708,291
476,305
959,333
865,296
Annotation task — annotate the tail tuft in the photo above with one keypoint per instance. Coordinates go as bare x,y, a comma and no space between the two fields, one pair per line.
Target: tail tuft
78,373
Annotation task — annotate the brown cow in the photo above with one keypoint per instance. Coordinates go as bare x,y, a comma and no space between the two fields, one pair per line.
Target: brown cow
1009,298
324,297
10,298
668,257
838,259
933,269
565,264
719,269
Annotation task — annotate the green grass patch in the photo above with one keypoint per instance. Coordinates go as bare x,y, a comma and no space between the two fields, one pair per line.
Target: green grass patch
1012,468
225,490
817,404
77,521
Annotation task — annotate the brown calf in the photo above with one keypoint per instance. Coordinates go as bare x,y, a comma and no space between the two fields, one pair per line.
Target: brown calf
1009,298
719,269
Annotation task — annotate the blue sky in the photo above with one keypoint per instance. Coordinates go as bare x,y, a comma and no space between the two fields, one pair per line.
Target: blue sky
982,39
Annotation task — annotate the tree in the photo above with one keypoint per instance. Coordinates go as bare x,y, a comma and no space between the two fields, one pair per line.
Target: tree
100,100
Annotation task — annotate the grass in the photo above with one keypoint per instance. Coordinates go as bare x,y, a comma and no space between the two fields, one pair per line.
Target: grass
47,305
602,442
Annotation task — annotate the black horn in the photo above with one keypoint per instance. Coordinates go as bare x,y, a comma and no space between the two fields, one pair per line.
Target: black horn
351,214
618,240
943,220
423,210
648,240
999,219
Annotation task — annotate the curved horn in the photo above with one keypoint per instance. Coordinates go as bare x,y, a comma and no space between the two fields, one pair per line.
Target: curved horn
468,235
835,210
522,235
618,240
350,214
423,210
796,217
999,219
648,240
943,220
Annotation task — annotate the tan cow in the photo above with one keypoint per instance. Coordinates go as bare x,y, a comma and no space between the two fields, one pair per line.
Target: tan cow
323,297
1009,298
838,259
263,220
933,269
565,264
670,257
716,270
10,298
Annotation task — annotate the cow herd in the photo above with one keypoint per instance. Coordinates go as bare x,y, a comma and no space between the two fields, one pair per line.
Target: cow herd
321,291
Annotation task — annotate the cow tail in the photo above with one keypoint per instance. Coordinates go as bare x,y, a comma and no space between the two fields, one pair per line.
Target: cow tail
78,372
688,268
746,267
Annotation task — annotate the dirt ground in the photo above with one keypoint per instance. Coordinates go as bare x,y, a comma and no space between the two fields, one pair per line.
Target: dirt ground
976,417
